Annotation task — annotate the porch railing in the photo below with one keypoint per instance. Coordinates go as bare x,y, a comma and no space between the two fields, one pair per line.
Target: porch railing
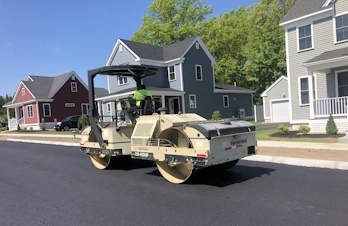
13,122
336,106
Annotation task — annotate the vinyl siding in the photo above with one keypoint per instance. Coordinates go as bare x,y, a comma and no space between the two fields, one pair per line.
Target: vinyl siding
236,101
202,89
107,116
275,93
323,40
124,57
341,6
159,80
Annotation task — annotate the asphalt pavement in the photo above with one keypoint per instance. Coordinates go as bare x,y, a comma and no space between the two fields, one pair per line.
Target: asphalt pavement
56,185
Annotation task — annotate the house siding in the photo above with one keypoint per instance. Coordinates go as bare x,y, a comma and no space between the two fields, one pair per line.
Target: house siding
124,57
275,93
159,80
341,6
236,101
202,89
34,119
27,95
64,95
175,84
323,40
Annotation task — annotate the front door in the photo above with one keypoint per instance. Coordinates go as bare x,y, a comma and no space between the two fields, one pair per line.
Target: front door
174,105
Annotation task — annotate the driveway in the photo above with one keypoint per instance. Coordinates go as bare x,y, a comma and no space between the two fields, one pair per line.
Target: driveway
268,126
55,185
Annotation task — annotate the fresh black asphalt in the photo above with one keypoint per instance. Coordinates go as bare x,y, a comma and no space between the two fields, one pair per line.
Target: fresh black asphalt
56,185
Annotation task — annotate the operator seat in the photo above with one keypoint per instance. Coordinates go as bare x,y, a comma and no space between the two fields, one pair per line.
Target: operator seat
146,107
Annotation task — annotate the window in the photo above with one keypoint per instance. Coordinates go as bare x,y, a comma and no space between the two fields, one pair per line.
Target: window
342,84
305,37
171,73
46,110
73,87
197,45
85,108
226,101
193,103
122,80
30,111
120,49
199,72
108,107
23,91
342,28
304,91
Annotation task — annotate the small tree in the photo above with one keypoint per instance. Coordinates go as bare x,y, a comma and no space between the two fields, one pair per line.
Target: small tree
216,115
83,121
331,127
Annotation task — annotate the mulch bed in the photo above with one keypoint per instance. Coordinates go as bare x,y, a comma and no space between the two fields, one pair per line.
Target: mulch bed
296,134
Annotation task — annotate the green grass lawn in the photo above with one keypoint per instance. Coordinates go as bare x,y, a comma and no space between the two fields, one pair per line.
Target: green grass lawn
257,123
265,136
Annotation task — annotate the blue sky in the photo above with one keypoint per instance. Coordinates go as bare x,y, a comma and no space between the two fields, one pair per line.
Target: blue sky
41,37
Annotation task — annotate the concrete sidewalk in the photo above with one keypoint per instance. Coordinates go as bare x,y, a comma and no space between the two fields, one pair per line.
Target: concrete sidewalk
304,145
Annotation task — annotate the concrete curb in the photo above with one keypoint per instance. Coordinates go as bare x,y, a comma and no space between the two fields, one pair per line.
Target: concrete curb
299,162
41,135
45,142
303,145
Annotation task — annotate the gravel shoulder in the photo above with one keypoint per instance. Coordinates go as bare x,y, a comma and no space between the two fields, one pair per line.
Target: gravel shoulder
318,154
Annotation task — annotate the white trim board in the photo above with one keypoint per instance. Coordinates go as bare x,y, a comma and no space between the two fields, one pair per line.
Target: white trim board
264,94
232,91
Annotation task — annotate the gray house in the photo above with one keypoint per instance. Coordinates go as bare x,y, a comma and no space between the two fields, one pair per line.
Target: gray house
276,106
316,33
185,82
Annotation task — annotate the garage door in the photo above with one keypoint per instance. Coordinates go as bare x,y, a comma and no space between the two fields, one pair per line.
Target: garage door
280,111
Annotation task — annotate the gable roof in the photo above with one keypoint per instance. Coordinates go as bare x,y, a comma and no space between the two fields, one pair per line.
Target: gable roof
306,7
157,53
264,94
100,92
45,87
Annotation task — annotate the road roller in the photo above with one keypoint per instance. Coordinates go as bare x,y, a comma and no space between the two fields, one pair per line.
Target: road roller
178,144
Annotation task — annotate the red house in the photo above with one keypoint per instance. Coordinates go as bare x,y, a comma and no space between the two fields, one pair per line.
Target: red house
41,99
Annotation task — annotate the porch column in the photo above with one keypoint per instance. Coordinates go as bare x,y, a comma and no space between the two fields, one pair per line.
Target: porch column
311,97
183,110
99,108
163,97
16,114
8,116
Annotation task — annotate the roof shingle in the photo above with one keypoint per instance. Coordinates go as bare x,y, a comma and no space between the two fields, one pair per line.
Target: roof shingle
304,7
329,55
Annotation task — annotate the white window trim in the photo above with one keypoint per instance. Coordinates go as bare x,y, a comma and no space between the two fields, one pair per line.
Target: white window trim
298,38
49,110
168,69
192,95
336,79
299,90
119,78
228,101
71,87
82,108
198,65
32,111
334,28
23,92
108,105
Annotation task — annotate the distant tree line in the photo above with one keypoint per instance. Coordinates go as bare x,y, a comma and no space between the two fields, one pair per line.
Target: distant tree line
247,43
3,112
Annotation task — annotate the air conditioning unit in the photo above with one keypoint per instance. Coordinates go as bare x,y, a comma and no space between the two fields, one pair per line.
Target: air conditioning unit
241,113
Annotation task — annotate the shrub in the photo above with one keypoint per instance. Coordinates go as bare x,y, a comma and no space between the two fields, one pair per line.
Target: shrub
83,121
31,128
18,127
283,129
216,115
6,128
43,127
331,127
304,129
